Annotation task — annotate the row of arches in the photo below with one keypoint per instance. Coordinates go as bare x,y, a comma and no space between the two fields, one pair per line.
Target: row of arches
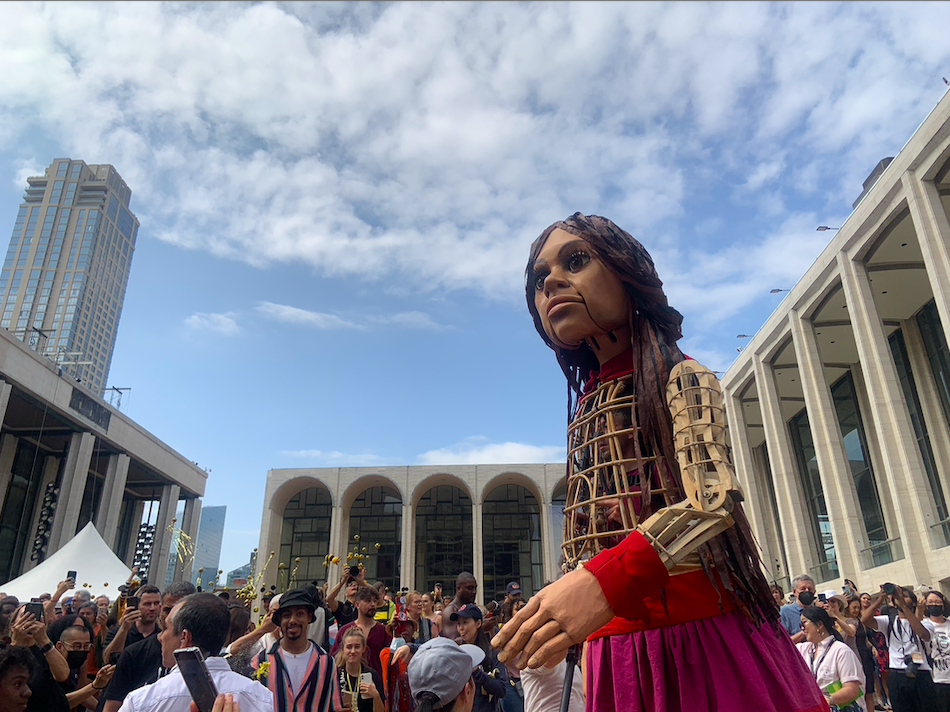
512,544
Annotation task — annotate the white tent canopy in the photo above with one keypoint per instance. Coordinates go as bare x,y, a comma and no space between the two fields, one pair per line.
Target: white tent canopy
86,554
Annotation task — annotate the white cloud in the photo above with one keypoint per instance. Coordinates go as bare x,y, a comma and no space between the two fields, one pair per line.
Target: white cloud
477,451
293,315
223,324
321,320
26,169
433,142
718,284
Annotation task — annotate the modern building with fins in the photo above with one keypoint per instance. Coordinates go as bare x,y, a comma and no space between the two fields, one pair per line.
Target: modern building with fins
839,407
64,277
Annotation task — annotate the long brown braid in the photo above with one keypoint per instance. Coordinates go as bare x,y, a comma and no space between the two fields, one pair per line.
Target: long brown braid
655,327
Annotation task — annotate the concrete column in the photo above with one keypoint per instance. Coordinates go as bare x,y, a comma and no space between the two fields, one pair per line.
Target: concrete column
933,234
5,390
406,573
788,490
479,558
758,506
847,526
8,445
338,544
167,507
71,489
110,503
138,511
189,527
272,522
905,480
548,566
50,470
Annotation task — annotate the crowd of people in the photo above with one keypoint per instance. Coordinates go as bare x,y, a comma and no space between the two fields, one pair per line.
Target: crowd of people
884,651
363,648
353,646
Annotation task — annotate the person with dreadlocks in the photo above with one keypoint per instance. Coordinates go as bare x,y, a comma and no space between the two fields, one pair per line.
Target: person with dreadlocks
665,584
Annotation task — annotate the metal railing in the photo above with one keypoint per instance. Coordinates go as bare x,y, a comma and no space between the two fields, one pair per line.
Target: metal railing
882,553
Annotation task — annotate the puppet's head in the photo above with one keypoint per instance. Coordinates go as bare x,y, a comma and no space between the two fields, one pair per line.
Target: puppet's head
627,261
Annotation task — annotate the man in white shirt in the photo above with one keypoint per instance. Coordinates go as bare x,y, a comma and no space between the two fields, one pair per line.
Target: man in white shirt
201,620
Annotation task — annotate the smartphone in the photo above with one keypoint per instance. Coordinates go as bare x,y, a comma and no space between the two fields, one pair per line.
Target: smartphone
71,575
132,602
821,597
366,678
36,609
191,665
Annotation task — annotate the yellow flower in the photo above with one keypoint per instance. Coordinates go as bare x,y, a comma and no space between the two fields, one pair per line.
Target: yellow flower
336,559
261,670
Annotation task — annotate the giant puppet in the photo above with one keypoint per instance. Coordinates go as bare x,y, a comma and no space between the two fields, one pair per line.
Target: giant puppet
664,582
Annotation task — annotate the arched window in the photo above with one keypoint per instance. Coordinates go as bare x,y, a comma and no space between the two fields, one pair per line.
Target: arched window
511,541
376,516
444,540
305,534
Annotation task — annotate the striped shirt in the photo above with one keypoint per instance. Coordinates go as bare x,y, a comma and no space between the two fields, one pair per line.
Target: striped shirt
319,691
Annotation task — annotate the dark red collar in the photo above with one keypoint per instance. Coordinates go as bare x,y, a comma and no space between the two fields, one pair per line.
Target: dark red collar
619,365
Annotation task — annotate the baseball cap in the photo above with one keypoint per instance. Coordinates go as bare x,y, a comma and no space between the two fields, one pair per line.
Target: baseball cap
468,610
513,588
442,668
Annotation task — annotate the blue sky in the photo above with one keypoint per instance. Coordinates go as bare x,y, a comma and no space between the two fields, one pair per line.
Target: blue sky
336,200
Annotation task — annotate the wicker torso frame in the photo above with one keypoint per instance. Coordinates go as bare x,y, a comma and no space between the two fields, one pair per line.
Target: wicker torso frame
606,499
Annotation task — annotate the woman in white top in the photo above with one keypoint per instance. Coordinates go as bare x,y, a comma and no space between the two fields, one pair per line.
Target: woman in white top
937,610
835,667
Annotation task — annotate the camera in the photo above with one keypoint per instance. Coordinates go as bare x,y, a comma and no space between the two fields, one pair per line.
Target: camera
911,670
889,588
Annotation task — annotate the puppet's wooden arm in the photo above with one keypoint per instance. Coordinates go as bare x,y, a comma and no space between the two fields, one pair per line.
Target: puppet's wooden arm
699,433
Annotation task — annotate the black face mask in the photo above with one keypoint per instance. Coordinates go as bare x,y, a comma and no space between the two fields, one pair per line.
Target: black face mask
806,598
934,611
75,658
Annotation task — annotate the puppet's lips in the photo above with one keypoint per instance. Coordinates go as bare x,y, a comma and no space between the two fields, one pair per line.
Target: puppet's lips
560,302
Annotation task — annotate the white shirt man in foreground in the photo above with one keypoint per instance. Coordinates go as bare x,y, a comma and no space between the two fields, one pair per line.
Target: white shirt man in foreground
199,620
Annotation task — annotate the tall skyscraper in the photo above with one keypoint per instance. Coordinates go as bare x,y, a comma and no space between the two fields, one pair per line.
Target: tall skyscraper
64,277
208,544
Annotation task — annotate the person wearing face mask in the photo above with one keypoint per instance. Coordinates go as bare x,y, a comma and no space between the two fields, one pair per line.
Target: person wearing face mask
937,610
72,636
803,595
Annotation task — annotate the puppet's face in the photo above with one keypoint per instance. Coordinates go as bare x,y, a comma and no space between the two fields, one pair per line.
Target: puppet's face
575,294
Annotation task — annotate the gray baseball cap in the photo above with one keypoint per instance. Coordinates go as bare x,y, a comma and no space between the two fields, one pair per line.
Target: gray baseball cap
443,668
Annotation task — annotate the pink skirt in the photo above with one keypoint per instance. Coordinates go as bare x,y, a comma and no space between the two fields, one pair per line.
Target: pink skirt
720,664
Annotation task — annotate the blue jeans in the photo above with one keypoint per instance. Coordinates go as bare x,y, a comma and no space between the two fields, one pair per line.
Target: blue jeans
512,702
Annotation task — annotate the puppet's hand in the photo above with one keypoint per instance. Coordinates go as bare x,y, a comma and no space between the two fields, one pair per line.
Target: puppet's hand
555,618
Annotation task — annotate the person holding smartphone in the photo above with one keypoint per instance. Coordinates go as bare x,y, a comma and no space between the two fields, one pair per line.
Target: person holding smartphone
346,612
200,621
361,685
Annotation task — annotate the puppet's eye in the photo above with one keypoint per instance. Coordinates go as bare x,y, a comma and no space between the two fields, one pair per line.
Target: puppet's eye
576,261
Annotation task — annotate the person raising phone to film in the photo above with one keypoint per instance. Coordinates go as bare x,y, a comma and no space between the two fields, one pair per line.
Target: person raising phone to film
910,684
